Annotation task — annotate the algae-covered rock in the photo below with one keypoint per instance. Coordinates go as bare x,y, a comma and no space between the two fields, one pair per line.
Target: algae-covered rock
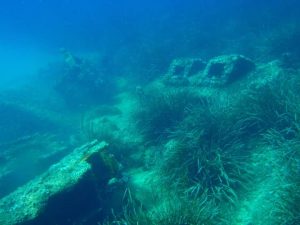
67,190
226,69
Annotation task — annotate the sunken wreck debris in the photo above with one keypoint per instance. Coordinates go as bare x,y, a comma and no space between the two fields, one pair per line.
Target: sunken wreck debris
69,190
218,72
181,69
225,69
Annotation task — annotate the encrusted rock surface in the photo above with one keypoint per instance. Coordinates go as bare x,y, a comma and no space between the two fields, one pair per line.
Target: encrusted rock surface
68,188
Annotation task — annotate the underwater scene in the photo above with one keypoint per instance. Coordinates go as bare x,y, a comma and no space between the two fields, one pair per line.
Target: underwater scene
143,112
